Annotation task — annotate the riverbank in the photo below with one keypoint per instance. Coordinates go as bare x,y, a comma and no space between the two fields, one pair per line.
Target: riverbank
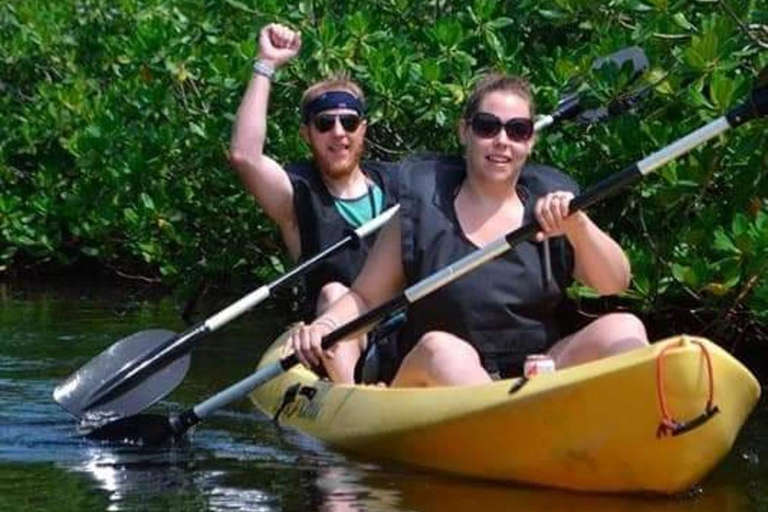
196,300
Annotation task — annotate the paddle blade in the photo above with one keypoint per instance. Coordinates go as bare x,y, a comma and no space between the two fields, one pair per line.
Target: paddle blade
142,429
634,55
636,62
74,394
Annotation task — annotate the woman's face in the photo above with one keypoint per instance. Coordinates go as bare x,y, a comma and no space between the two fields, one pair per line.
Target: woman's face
501,155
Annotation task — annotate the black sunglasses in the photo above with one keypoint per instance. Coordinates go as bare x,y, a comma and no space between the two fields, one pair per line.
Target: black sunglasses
326,122
487,126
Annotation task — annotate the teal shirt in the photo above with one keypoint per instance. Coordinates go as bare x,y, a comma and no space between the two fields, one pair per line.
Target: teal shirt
361,209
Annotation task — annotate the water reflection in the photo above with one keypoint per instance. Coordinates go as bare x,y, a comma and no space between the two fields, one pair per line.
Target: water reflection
191,475
238,459
345,490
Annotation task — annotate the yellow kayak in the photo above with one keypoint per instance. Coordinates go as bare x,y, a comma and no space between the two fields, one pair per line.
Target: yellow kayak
658,419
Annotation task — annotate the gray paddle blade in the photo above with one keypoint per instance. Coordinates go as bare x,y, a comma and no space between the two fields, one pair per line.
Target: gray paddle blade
142,429
75,392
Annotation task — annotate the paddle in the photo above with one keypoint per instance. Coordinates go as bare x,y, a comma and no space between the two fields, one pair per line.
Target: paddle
153,429
101,385
150,363
570,106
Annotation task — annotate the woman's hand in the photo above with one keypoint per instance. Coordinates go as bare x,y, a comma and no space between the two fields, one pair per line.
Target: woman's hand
552,214
306,341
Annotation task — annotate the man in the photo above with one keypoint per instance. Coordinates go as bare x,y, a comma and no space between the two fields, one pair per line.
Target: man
314,204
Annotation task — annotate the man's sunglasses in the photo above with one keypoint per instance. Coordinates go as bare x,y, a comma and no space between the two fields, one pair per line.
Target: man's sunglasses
326,122
488,126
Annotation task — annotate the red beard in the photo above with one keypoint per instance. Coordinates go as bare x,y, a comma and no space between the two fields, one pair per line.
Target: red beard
333,166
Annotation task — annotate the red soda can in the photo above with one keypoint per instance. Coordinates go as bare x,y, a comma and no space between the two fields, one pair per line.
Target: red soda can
536,364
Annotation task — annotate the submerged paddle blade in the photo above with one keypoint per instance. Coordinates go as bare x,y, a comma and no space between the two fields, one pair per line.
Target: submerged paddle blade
142,429
74,394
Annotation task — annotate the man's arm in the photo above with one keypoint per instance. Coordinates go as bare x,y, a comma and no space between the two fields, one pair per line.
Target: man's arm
264,178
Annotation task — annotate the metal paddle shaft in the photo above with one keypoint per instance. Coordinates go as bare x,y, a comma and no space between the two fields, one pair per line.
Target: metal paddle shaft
102,384
154,428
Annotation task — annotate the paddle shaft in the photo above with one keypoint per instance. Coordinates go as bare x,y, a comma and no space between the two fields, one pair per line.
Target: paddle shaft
180,344
756,106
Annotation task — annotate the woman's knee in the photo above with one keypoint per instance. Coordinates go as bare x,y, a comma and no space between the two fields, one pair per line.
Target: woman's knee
436,345
440,359
609,335
623,326
330,293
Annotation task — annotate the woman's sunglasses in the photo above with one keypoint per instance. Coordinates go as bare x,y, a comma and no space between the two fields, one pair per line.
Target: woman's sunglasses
488,126
326,122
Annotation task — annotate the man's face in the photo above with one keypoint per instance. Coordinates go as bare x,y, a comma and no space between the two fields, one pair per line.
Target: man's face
336,138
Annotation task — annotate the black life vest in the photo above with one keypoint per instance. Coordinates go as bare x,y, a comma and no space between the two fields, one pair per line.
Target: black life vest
320,226
506,308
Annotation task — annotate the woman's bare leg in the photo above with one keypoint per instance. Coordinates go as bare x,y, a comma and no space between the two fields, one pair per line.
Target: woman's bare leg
608,335
441,359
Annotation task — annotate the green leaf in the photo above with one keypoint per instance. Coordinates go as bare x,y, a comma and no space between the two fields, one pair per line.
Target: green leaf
197,129
241,6
740,224
722,90
147,201
501,22
724,243
685,274
680,19
707,46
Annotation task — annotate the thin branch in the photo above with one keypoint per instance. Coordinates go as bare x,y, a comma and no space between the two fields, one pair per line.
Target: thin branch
671,37
659,257
151,280
744,28
384,149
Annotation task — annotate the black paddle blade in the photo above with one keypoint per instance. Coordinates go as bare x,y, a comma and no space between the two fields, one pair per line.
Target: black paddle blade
142,429
633,54
572,105
633,57
74,394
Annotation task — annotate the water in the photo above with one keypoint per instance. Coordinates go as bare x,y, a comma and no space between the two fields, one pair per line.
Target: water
238,459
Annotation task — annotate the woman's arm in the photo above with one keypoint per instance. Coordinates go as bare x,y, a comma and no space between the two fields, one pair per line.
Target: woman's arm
599,260
381,278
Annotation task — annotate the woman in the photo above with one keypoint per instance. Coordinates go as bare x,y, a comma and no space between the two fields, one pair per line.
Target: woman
482,326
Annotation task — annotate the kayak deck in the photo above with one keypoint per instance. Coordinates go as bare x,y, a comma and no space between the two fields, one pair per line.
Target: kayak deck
592,427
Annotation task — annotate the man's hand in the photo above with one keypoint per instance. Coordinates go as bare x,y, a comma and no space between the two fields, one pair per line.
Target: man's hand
278,44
